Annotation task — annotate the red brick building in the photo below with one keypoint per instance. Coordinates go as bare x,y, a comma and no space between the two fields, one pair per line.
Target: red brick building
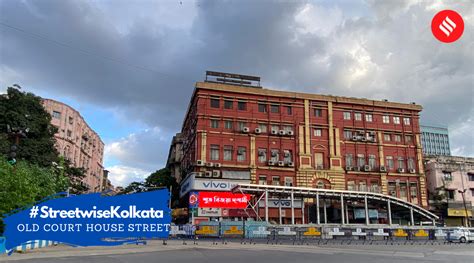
301,139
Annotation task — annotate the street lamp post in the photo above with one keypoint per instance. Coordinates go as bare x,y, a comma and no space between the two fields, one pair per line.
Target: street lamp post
462,192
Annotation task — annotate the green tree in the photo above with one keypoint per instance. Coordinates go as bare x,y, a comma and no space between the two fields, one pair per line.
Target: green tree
25,111
26,184
134,187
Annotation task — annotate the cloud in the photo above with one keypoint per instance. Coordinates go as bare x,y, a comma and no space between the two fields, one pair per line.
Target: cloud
143,59
121,175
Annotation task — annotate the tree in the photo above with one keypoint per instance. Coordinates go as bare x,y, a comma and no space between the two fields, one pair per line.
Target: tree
75,176
25,111
27,184
134,187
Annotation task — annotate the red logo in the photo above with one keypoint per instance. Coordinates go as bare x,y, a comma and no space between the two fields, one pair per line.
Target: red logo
447,26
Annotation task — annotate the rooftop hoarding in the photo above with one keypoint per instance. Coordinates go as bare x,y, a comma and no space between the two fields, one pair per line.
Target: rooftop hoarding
208,184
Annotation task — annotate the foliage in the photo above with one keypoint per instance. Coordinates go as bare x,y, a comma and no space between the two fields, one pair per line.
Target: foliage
26,184
25,111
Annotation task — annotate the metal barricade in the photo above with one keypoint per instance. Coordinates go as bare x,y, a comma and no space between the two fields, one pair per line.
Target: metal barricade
285,234
257,231
309,234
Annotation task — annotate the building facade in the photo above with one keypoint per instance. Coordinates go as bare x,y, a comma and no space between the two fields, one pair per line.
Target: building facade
235,133
175,155
435,140
77,142
451,187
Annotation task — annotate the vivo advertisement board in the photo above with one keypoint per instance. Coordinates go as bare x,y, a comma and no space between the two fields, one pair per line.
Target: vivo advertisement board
284,203
208,184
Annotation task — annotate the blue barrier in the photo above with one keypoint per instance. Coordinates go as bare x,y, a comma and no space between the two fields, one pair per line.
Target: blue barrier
2,245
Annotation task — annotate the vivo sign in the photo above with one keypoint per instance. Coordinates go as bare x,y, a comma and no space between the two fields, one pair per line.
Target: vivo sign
193,183
284,203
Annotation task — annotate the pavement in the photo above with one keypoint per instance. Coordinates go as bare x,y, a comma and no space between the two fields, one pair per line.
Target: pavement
209,251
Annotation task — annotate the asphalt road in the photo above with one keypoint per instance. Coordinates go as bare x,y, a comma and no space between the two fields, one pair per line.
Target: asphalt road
235,252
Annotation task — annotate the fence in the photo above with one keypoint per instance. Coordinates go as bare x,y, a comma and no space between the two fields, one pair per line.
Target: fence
252,231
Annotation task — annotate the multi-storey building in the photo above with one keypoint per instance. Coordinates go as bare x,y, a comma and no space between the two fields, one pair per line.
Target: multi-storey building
299,139
451,187
435,140
77,142
175,155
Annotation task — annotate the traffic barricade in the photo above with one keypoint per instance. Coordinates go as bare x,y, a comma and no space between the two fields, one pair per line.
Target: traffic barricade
440,234
377,234
257,231
336,233
309,234
232,230
420,234
207,229
285,234
359,234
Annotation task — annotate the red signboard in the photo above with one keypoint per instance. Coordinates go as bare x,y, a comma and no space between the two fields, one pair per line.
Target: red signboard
239,213
223,200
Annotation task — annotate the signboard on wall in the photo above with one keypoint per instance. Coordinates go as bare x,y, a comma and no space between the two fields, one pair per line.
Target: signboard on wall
211,212
285,203
223,200
360,213
208,184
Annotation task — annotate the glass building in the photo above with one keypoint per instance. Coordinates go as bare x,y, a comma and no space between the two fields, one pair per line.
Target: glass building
435,140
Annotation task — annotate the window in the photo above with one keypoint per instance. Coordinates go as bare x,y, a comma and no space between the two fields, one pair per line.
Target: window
403,191
214,152
447,176
69,133
262,107
347,115
472,191
372,162
228,104
215,124
228,125
275,155
275,180
262,179
262,155
319,161
320,185
287,156
262,127
275,128
241,154
347,134
318,112
287,128
274,108
408,138
57,114
470,177
414,192
406,121
386,119
450,194
240,125
386,137
392,189
71,120
215,103
389,162
362,186
351,186
318,132
349,160
396,120
289,110
241,105
228,150
411,163
360,160
374,186
368,117
397,138
401,163
288,181
358,116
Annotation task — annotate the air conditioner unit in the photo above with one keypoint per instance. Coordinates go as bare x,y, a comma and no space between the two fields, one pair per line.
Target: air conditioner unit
393,193
199,174
199,163
286,154
271,162
282,132
383,169
361,132
291,164
246,130
412,171
216,173
281,163
209,164
217,165
261,153
290,133
258,130
355,138
366,168
274,132
208,174
401,170
274,154
348,168
363,139
372,133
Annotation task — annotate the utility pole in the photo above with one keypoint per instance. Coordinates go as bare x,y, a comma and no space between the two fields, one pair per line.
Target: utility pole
462,192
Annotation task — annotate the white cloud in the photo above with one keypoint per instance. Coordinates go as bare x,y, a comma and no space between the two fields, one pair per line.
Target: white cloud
121,175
